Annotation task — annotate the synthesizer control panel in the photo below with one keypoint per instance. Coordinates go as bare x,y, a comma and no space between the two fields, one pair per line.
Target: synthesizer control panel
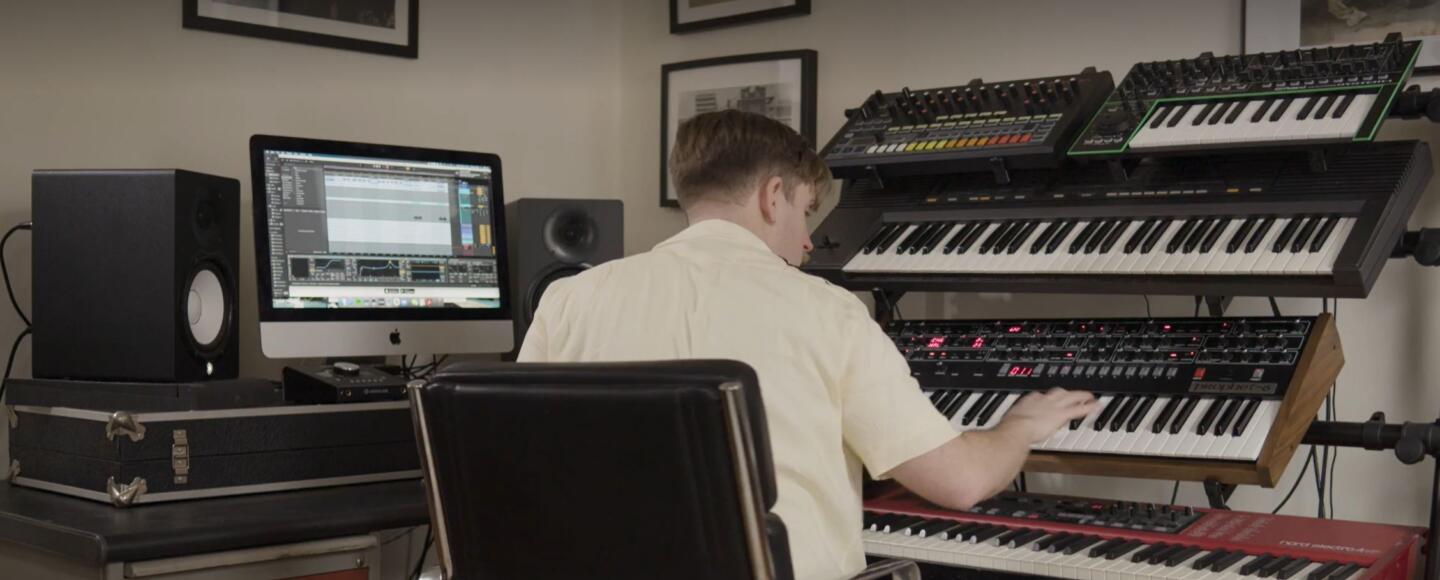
1313,96
973,127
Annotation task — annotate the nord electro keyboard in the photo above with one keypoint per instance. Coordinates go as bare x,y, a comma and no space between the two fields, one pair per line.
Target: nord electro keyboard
1224,225
1315,96
1026,123
1186,398
1068,537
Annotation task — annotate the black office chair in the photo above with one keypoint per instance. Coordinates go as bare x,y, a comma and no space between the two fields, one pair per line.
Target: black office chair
603,470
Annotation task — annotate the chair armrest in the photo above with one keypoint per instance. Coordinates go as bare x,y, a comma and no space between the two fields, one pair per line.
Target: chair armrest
895,569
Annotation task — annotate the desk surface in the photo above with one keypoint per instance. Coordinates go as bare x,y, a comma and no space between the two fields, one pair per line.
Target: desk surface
97,533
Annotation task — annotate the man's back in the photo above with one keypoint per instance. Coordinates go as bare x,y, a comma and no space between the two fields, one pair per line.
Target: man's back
835,390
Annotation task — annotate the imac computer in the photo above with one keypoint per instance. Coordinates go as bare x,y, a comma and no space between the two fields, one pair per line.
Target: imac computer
374,250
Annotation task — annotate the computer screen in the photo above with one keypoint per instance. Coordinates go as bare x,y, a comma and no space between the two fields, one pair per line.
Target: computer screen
357,232
364,249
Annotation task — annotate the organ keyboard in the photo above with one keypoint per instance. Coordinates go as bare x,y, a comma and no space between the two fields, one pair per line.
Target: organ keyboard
1257,225
1066,537
1323,95
1192,398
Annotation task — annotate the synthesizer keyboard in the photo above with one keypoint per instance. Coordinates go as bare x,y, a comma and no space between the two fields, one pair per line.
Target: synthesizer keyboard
1026,123
1186,398
1315,96
1224,225
1069,537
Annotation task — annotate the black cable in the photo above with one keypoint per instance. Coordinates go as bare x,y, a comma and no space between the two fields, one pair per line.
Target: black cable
5,271
1335,416
1198,300
1274,307
420,564
1303,469
1024,486
1319,483
1175,493
1147,305
10,362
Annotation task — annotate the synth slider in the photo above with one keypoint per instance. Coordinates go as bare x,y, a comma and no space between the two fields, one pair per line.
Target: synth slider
1226,399
1315,96
1226,225
1069,537
978,126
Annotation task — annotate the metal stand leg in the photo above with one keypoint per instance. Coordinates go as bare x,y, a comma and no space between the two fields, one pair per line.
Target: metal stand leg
1218,494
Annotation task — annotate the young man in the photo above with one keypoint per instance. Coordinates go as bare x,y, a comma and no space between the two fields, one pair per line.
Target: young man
837,393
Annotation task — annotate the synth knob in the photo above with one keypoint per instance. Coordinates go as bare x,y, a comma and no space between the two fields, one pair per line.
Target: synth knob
1189,511
879,137
907,95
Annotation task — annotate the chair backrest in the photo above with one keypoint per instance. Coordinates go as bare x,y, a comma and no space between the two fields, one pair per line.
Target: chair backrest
599,470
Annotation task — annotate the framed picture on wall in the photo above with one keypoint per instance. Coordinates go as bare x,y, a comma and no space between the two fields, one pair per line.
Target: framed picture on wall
1272,25
692,15
779,85
380,26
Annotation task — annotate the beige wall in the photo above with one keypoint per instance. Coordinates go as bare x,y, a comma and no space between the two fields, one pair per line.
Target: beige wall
567,92
869,45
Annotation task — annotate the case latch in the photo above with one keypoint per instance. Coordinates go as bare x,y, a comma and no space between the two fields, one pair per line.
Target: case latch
123,423
122,495
180,457
14,470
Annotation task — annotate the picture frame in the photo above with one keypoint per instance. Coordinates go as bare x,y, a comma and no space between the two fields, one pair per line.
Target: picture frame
390,27
694,15
779,84
1274,25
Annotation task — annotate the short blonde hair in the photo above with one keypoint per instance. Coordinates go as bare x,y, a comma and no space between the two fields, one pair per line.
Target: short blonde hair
726,155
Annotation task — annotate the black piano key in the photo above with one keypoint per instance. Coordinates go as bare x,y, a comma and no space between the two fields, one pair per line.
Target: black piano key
1164,555
1279,112
909,244
1259,235
997,244
1235,112
1025,234
1323,233
1324,107
929,529
1208,243
1025,539
1227,416
1294,567
1011,237
1225,562
883,523
1274,566
1056,541
1123,415
1163,419
1044,238
1302,237
1123,549
1260,112
1305,110
1059,237
1075,547
890,239
1183,414
1103,420
1147,552
905,524
1323,570
886,232
1208,560
956,403
1192,241
1208,418
1105,547
1138,235
959,236
1242,421
931,231
1178,116
944,233
1204,112
994,237
1141,411
1283,238
937,396
1239,237
983,536
1345,571
946,532
936,236
1178,239
1159,116
975,235
943,399
1181,556
1099,236
1115,233
1255,565
1343,106
1219,113
964,532
907,238
1084,236
874,239
991,408
975,409
1154,236
867,519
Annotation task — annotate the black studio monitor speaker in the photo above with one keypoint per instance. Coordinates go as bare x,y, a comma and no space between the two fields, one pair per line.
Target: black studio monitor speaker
554,238
135,275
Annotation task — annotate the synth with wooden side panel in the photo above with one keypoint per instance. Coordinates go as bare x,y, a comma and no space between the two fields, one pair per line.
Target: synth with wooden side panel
1247,225
978,126
1221,399
1305,97
1026,535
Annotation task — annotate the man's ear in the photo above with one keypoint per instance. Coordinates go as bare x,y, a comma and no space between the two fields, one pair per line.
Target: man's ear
772,192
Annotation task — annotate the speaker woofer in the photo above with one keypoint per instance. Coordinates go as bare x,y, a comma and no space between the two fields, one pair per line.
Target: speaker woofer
570,235
209,309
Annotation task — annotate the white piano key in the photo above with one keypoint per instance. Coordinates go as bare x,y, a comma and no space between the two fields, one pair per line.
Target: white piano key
1080,437
1001,410
1131,441
1331,252
1262,256
1181,441
1258,430
1206,260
